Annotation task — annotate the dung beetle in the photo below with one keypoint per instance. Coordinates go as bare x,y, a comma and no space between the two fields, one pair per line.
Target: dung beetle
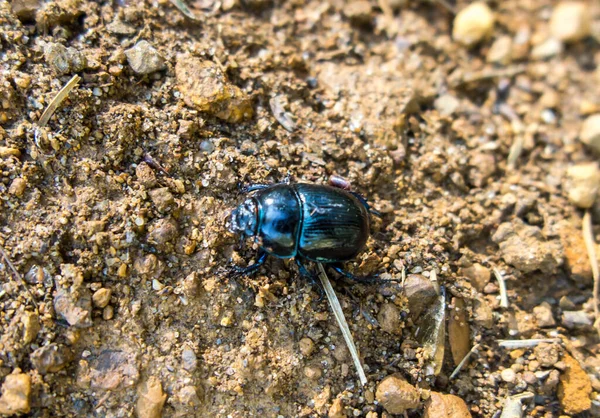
312,222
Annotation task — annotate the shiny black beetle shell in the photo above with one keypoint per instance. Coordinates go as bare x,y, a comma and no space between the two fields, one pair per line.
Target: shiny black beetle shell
317,222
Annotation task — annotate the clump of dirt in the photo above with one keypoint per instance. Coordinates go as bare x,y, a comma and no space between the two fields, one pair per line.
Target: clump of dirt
461,123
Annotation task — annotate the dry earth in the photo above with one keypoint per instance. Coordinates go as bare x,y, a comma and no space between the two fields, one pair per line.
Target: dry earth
476,135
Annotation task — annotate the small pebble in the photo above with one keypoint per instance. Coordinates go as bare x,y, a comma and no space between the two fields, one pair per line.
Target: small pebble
420,293
122,271
143,58
583,184
189,396
483,314
162,198
16,391
359,12
589,107
543,315
189,361
574,319
64,60
575,388
473,24
313,372
396,395
17,187
50,358
547,354
446,104
508,375
477,275
156,285
529,377
108,313
164,231
31,326
101,297
447,406
521,43
571,21
550,99
151,399
547,49
74,307
566,304
118,27
145,175
204,86
590,132
191,285
500,51
8,152
227,319
337,409
533,365
526,248
389,318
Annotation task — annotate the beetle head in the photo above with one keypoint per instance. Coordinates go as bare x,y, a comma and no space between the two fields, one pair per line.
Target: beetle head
244,218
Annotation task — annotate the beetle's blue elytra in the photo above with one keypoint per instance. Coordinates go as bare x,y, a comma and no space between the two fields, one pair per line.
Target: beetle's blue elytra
314,222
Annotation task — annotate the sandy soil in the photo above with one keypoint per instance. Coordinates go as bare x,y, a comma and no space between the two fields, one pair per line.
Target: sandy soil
114,213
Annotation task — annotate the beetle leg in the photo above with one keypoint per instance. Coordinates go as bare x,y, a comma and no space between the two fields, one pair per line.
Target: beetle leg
253,187
311,277
366,204
252,268
361,279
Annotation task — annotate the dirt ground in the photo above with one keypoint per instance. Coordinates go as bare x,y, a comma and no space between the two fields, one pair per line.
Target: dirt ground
474,135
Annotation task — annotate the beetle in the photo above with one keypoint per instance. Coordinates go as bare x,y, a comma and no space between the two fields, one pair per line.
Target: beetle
319,223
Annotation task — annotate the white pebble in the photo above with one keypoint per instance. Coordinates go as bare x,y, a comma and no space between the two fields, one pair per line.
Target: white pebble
583,184
590,132
508,375
472,24
571,21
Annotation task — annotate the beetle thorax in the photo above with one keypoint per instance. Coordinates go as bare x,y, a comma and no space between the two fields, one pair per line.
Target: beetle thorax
244,218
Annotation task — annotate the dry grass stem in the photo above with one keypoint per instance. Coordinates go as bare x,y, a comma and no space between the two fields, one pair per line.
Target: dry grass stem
58,99
17,275
463,361
502,284
183,8
487,74
513,407
588,237
341,320
512,344
515,152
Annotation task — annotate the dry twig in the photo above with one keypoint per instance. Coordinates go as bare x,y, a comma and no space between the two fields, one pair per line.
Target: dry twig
486,74
58,99
518,131
341,320
513,407
514,344
183,8
590,245
17,275
502,284
463,361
